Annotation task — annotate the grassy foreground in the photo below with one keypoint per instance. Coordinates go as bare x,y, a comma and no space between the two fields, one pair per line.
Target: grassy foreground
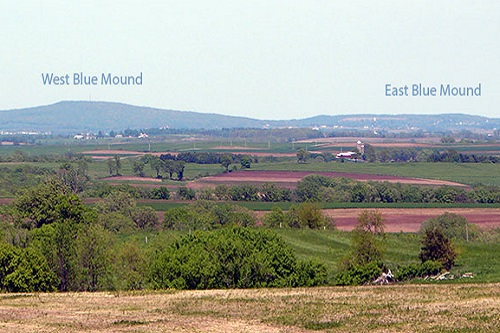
397,308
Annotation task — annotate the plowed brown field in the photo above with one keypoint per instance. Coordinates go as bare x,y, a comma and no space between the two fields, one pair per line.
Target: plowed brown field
409,219
291,178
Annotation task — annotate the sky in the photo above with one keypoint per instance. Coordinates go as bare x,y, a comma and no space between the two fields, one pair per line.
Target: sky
264,59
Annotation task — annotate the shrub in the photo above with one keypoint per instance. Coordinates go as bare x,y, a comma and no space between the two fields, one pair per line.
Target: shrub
161,193
437,247
275,219
207,215
418,270
232,258
186,193
365,248
24,270
145,218
359,274
453,226
307,215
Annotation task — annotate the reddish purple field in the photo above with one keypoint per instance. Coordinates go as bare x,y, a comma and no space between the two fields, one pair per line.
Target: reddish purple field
410,219
291,178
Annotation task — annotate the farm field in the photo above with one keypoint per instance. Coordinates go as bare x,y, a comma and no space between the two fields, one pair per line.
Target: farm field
410,219
291,178
400,308
463,173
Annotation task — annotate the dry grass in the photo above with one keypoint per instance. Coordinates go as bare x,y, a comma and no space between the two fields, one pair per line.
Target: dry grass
399,308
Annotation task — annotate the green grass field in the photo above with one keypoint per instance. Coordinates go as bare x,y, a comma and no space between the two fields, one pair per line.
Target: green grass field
478,256
330,246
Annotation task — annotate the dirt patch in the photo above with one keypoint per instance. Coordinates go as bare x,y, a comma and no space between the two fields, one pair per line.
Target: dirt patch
6,201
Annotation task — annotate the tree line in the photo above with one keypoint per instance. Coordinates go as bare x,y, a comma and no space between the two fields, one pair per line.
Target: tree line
319,188
51,241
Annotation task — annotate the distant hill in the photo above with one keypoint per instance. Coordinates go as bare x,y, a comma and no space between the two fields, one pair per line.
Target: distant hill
82,116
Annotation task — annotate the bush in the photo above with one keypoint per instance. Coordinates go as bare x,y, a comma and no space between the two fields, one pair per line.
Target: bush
307,215
129,267
418,270
365,248
232,258
161,193
437,247
145,218
207,215
453,226
24,270
275,219
359,274
186,193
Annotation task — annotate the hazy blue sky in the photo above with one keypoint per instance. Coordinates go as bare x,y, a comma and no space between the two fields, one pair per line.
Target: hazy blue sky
264,59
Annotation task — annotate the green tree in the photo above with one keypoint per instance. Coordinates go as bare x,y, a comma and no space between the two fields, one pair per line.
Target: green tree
24,270
130,267
207,215
145,218
160,193
186,193
226,161
49,202
365,248
275,219
111,166
57,244
452,225
74,178
179,169
302,155
179,218
310,188
246,162
117,201
232,258
93,246
270,192
117,163
307,215
370,153
116,212
447,139
138,168
437,247
371,221
156,164
168,166
364,261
